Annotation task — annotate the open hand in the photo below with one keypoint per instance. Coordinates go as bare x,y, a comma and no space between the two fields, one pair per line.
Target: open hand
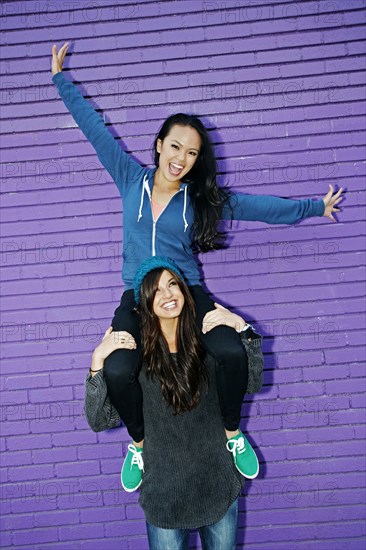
58,58
222,316
330,201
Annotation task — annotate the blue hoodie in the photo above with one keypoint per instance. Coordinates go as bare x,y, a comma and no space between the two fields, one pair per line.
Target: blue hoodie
171,234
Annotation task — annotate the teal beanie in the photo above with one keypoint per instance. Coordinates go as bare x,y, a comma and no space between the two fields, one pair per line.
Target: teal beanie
148,265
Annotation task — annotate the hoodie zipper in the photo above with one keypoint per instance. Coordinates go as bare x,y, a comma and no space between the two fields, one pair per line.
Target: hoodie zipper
153,236
153,252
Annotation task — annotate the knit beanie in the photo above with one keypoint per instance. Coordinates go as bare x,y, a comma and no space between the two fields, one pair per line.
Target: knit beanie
148,265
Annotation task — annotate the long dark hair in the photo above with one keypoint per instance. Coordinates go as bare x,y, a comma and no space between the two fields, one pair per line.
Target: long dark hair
206,196
182,380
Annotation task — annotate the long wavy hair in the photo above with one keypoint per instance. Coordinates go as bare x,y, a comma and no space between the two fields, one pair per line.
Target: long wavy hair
206,196
182,380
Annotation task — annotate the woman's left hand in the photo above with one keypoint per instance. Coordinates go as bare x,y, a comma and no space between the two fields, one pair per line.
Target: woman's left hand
222,316
330,201
113,341
110,343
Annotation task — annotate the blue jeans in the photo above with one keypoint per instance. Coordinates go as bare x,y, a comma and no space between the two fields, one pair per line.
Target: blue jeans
218,536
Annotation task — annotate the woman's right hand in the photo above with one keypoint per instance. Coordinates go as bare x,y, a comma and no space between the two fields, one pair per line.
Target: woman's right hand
222,316
110,343
58,58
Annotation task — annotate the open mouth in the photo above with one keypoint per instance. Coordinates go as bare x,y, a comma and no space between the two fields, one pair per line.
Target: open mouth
170,305
175,169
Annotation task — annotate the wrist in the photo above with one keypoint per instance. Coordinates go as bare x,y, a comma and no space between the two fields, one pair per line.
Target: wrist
245,328
97,362
240,325
93,372
98,355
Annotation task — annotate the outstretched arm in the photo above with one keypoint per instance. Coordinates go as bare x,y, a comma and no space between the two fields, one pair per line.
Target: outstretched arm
119,164
275,210
99,411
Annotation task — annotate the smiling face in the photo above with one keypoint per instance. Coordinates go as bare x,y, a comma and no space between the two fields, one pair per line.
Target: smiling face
178,152
169,300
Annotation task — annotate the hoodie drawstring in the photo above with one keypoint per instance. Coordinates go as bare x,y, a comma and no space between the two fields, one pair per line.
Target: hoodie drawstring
145,185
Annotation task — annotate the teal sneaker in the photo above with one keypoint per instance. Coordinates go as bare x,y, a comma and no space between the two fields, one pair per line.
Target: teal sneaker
245,459
133,466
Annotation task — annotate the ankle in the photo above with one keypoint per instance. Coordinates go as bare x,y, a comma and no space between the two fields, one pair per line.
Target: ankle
230,434
139,445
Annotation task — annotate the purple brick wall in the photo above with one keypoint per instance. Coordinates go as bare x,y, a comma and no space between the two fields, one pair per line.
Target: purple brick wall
281,86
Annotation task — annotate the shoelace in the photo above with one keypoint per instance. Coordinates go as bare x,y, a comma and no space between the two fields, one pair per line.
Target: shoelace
236,445
136,458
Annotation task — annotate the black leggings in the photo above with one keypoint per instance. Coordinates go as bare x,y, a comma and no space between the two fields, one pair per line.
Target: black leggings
122,367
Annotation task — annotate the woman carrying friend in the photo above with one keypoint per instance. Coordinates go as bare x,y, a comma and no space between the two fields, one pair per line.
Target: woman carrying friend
189,478
173,210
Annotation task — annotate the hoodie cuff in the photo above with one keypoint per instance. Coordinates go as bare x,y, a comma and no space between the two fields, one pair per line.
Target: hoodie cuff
58,78
319,207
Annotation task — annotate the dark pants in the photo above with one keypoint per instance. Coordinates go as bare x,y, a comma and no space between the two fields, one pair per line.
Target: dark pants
122,367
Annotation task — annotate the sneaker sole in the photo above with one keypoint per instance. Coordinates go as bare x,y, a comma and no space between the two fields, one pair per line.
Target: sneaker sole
130,490
246,475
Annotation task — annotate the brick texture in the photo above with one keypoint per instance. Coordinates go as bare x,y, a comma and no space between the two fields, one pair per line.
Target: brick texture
280,85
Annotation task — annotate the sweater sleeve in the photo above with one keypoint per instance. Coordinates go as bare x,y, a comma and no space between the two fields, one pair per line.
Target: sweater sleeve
123,169
252,342
272,210
99,411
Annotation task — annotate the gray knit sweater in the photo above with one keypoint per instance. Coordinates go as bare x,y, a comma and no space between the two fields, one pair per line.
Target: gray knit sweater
190,479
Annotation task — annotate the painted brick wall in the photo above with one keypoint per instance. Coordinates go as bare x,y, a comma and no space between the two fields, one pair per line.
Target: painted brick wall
280,85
